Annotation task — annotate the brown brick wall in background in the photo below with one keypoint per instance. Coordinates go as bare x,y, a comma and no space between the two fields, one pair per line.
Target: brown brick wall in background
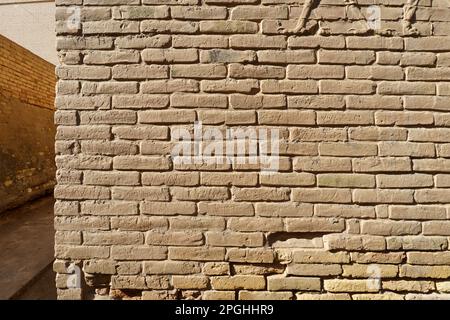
27,131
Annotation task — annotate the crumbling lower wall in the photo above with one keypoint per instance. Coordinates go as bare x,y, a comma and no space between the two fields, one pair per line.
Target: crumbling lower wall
27,166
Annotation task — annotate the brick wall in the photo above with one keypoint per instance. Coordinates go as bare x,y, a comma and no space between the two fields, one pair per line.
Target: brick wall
25,76
27,92
359,206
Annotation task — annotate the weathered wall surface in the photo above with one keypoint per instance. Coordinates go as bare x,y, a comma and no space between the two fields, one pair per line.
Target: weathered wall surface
359,207
27,91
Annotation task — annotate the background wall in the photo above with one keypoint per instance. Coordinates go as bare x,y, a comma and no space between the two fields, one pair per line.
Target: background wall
27,90
359,209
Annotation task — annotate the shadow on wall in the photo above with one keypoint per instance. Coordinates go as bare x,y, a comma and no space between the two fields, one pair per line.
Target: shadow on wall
27,132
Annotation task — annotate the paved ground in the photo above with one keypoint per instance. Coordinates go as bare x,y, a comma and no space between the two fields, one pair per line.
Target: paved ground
26,251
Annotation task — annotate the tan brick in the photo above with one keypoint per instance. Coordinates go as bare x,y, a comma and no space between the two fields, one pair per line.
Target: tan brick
230,85
418,59
139,42
320,257
252,255
226,208
366,271
258,13
436,272
406,88
81,192
170,86
289,209
315,225
257,41
190,282
378,134
174,238
347,149
428,258
417,212
197,223
167,116
203,71
261,194
196,253
316,102
375,73
240,71
256,269
125,72
314,269
140,193
443,286
170,55
168,208
234,239
109,208
378,257
219,295
286,117
168,26
228,179
289,86
143,12
246,224
355,242
344,118
139,223
322,164
436,228
331,42
238,282
216,268
375,43
201,193
140,132
408,285
432,196
112,238
83,73
328,195
417,243
386,228
277,283
134,252
346,180
111,178
385,164
345,211
199,41
227,56
346,285
346,57
238,101
374,102
198,13
383,196
315,72
289,56
228,27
